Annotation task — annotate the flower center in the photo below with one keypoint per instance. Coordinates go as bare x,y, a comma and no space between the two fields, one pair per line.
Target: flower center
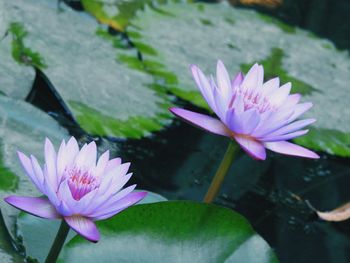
253,99
80,182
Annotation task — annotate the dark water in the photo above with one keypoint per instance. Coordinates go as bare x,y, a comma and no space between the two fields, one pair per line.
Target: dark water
180,161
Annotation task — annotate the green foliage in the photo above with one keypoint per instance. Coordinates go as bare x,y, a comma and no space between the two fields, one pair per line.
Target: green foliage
97,123
20,52
176,231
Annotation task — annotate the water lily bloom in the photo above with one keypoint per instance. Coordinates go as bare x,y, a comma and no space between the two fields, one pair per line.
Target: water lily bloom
77,189
257,115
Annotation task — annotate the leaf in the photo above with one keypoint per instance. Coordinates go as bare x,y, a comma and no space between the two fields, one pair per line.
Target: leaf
202,33
117,13
37,234
177,231
16,79
105,96
22,127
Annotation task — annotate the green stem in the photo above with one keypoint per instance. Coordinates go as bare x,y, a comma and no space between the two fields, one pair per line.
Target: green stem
58,243
219,177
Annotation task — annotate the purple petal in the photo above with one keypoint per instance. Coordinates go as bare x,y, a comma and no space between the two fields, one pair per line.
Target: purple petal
254,148
61,159
223,80
50,161
72,145
38,172
243,123
202,121
290,149
272,122
66,156
65,195
110,200
101,164
292,100
278,97
28,168
112,165
270,86
238,104
49,191
292,127
260,76
114,183
120,205
251,79
237,80
221,103
87,156
204,86
299,110
284,137
84,227
37,206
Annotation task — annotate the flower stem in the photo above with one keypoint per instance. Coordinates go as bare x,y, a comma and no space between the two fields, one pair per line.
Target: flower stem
58,243
219,177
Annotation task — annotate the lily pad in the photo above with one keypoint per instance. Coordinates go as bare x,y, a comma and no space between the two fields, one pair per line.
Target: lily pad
118,13
22,127
202,33
37,234
177,231
16,79
105,96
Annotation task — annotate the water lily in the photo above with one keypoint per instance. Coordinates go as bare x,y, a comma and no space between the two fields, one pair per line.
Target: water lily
78,189
257,115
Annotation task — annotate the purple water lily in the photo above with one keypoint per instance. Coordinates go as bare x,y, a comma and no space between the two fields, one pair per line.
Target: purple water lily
257,115
78,189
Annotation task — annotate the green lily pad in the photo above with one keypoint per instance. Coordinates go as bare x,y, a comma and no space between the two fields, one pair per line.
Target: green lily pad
37,234
177,231
105,96
202,33
16,79
118,13
22,127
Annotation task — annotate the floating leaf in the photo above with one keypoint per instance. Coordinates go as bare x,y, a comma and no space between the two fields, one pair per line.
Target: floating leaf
105,96
32,229
177,231
117,13
203,33
22,127
16,79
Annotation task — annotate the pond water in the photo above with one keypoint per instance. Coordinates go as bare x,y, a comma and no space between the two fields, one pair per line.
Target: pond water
180,161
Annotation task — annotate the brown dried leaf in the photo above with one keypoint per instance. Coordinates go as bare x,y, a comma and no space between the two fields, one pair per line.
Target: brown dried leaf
339,214
266,3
